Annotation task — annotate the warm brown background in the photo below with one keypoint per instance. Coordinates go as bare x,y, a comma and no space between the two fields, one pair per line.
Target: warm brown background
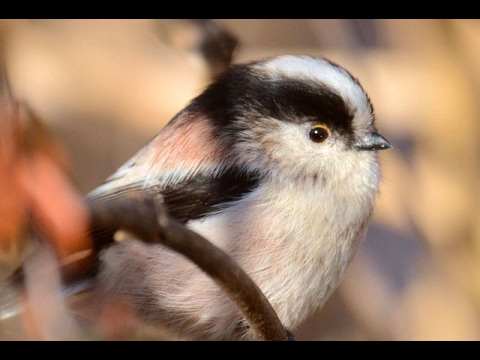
107,86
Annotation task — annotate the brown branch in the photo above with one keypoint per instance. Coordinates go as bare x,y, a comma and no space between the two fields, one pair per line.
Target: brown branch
147,219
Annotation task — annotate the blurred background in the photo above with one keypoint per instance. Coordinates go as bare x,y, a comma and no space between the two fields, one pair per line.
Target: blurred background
105,87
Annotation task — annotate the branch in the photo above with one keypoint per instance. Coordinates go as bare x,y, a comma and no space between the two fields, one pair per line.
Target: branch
147,219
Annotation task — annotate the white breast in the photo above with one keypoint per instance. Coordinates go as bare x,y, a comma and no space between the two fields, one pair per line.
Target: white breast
294,239
291,242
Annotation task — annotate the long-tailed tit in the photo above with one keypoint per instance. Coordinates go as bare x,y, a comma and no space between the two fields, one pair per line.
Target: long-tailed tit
276,163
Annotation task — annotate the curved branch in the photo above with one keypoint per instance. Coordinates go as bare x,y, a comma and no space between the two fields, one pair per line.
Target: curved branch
147,219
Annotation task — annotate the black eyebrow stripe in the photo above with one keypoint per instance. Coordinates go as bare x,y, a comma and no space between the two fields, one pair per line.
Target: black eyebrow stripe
201,195
243,93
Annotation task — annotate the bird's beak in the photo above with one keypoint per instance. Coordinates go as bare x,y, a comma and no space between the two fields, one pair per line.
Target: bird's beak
374,142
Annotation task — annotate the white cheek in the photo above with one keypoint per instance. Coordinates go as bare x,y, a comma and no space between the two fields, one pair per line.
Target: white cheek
296,153
294,143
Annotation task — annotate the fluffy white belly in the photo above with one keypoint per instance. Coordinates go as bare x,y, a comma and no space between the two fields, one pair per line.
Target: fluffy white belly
296,263
296,256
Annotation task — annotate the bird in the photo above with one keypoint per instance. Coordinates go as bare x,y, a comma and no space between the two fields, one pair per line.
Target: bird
276,163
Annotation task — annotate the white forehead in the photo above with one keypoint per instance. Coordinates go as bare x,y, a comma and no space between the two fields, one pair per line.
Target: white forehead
318,71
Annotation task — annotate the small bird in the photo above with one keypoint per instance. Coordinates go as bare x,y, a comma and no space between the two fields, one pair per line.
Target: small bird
276,163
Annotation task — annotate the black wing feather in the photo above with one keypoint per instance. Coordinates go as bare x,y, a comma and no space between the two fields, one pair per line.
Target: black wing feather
201,195
193,198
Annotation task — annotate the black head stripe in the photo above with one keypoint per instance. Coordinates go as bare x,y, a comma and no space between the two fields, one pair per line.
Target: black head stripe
297,101
245,92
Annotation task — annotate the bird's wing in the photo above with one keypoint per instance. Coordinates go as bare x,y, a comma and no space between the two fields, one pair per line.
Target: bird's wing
186,163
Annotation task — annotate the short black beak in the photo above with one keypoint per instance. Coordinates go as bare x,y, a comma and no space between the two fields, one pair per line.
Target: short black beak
373,143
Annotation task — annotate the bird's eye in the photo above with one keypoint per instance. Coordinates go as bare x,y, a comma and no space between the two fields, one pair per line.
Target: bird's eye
319,133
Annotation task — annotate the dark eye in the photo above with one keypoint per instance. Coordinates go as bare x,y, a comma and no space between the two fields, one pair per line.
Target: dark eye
319,133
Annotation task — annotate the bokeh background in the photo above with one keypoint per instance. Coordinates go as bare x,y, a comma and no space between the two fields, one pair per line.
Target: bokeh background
105,87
